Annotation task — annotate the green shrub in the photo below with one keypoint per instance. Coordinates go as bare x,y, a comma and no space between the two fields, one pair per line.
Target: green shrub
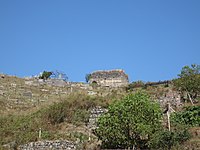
136,121
129,122
189,81
167,139
190,116
45,75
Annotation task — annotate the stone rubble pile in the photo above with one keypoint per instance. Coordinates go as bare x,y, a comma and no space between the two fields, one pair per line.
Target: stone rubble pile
49,145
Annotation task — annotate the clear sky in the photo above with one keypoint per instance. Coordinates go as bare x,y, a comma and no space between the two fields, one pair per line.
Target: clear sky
150,39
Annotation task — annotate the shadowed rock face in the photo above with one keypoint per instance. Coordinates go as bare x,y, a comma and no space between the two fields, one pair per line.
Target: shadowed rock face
111,78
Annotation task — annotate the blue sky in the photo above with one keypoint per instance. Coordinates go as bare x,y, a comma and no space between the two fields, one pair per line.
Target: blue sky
150,40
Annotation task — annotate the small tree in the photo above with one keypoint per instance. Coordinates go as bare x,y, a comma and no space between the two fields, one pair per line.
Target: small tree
45,75
189,81
87,77
130,122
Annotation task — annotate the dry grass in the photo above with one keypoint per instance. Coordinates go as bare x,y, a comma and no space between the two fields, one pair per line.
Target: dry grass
21,116
53,109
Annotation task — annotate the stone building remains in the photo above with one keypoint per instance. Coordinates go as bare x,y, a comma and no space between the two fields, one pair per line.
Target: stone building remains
109,78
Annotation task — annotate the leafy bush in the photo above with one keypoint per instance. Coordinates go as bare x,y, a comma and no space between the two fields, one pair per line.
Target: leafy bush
129,122
190,116
168,139
45,75
189,81
135,121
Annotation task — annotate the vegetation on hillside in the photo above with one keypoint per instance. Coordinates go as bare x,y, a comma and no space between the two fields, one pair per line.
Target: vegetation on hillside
135,84
45,75
134,119
25,128
136,122
130,122
188,116
189,82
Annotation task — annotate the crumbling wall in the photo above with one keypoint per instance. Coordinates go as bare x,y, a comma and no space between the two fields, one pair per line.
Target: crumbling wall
171,97
95,113
48,145
110,78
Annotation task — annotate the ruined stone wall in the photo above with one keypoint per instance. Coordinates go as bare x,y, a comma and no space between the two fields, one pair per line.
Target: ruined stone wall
110,82
95,113
110,78
47,145
50,82
171,97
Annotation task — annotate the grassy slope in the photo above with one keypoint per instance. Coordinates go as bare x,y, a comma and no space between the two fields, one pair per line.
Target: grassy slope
21,116
58,112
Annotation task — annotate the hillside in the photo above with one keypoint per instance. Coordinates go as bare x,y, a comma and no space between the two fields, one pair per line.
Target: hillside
36,110
23,95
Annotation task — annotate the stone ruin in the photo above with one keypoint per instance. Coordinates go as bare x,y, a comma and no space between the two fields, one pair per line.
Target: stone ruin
109,78
95,113
171,97
46,145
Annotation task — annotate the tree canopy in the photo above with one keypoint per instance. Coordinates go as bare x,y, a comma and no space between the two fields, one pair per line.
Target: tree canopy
189,81
136,122
45,75
130,122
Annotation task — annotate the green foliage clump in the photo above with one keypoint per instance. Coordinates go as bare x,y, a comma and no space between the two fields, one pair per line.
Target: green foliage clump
45,75
190,116
165,139
189,81
135,121
130,122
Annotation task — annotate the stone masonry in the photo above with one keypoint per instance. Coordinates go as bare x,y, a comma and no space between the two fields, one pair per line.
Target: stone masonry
49,145
172,97
109,78
95,113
